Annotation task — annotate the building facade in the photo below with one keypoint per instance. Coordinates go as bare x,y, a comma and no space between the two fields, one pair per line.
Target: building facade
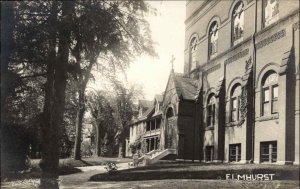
238,98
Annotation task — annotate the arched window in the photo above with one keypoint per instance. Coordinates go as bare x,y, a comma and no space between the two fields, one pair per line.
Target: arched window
270,93
270,12
238,23
234,102
211,109
213,39
170,113
193,49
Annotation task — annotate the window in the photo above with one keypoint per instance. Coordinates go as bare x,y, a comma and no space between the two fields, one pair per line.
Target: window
270,12
158,124
210,119
157,107
140,112
213,40
238,23
235,152
209,153
268,151
148,126
234,102
193,49
270,94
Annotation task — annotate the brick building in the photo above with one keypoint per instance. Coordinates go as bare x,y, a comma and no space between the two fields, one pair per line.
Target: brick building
238,98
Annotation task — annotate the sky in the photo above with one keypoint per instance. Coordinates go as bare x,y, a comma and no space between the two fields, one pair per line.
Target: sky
168,31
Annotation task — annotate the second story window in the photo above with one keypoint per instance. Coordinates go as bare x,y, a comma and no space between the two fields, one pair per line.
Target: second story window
234,103
270,94
211,109
140,112
193,49
238,23
270,12
213,40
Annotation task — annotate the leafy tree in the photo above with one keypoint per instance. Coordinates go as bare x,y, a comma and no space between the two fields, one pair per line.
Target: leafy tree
50,42
103,121
125,99
107,34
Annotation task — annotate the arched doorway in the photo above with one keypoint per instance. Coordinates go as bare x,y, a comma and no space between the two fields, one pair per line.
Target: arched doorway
169,133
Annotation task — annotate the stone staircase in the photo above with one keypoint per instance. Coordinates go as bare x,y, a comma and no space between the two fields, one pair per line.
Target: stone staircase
155,155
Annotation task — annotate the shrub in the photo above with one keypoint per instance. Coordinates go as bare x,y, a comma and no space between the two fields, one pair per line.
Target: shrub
111,167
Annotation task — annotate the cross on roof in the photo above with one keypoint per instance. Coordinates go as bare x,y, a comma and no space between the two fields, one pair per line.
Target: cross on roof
172,61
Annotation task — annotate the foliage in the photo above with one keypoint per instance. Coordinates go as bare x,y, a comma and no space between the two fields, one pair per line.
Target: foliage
104,125
53,44
111,167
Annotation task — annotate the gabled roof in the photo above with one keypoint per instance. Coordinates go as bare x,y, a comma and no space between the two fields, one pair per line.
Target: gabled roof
186,87
159,98
145,104
147,113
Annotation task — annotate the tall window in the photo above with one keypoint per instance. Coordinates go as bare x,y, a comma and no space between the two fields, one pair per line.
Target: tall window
209,153
270,94
235,152
213,39
210,119
234,102
270,11
193,49
268,151
238,23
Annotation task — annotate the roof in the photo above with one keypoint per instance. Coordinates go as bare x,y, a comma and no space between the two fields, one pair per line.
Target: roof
185,86
145,104
146,113
159,98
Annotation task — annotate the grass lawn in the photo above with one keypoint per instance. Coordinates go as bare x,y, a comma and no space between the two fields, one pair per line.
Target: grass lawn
163,171
197,184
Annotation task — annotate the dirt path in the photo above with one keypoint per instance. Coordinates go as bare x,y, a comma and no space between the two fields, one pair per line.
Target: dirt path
81,180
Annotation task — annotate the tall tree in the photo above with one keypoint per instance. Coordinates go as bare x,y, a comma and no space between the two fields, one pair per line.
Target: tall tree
102,119
115,31
57,39
124,104
55,94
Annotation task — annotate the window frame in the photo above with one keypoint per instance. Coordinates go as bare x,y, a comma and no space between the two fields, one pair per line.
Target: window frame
240,39
272,152
270,104
210,33
192,52
211,111
209,152
263,20
238,152
237,98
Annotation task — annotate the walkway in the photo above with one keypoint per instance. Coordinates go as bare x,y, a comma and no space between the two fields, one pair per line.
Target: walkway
81,180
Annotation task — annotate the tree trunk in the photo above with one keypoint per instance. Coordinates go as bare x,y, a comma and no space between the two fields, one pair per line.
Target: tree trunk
121,148
55,103
83,80
7,47
98,141
79,119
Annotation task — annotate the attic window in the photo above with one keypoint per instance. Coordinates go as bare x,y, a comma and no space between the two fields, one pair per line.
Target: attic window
140,112
157,107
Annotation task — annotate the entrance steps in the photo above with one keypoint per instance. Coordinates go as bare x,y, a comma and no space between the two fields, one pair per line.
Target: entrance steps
154,156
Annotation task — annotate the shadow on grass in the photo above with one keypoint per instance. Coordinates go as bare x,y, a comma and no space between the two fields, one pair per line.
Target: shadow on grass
68,170
86,163
35,173
182,171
